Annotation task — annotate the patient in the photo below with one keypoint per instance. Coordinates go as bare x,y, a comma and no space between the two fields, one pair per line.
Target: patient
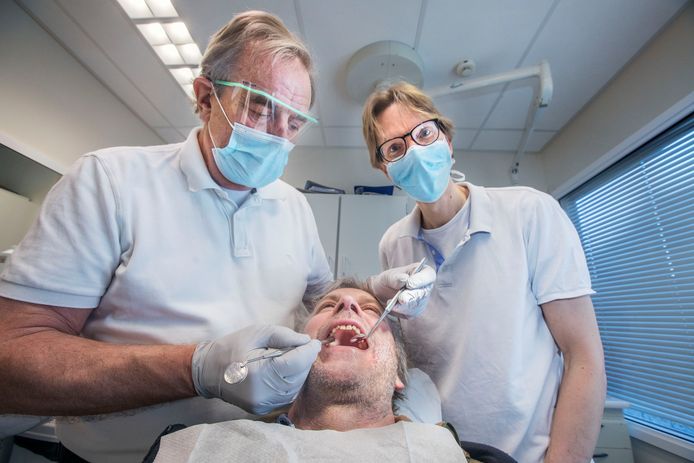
351,385
351,388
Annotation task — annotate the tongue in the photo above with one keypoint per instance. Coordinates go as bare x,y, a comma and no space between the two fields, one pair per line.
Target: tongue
344,337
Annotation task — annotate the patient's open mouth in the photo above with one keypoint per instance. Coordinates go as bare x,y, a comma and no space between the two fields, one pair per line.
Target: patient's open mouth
342,336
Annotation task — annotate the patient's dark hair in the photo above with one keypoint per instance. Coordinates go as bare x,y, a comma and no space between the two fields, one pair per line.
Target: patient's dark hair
394,324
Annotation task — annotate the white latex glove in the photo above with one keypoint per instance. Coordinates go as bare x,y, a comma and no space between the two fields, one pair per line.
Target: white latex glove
411,302
271,383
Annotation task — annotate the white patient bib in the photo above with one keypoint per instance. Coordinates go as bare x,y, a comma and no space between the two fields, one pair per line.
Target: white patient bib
255,441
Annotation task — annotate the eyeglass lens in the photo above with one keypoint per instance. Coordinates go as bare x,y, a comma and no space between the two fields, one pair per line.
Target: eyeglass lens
423,134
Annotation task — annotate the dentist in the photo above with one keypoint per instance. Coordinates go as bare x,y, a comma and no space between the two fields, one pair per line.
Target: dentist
509,335
150,269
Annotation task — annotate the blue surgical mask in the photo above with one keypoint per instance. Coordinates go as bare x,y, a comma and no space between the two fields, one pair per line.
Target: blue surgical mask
424,171
252,158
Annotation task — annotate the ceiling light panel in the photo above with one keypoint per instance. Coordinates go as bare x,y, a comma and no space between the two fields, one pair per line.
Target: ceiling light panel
136,9
184,76
158,22
154,33
190,53
162,8
190,93
178,32
169,54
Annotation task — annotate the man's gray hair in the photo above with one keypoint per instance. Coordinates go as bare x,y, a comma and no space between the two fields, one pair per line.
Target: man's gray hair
393,323
259,33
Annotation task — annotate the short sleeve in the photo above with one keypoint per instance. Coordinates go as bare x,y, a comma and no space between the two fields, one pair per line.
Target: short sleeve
69,254
556,262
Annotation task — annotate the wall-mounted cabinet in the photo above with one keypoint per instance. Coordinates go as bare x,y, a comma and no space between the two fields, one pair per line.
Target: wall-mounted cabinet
351,226
23,185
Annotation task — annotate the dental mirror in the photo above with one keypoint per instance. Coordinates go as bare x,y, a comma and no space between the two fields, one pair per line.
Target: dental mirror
238,371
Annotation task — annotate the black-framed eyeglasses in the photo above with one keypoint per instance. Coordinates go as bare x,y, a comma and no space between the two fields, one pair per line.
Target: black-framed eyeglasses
425,133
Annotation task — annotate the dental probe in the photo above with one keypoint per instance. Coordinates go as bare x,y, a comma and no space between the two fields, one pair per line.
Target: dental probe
389,306
237,371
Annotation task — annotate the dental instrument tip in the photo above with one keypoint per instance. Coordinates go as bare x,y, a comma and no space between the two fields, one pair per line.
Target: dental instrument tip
358,337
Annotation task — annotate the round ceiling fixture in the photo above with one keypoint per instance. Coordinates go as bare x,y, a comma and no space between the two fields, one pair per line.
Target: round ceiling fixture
381,64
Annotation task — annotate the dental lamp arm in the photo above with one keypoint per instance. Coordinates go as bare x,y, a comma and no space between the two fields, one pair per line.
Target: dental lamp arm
540,71
542,96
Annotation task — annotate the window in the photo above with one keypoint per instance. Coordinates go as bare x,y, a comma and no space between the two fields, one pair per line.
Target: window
636,223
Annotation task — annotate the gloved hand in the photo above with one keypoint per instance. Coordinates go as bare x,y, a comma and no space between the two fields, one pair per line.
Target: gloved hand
411,302
271,383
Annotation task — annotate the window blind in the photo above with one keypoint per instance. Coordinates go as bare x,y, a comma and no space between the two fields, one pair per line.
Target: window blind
636,224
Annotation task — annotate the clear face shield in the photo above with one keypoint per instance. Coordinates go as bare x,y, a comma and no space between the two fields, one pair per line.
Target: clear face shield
259,109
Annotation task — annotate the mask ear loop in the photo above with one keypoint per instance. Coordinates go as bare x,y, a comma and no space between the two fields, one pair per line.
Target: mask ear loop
214,92
456,175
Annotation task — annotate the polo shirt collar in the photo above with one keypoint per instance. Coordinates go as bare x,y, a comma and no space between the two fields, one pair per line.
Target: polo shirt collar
480,213
199,178
481,219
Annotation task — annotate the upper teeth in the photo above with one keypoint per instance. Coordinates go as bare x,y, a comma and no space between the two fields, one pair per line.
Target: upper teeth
346,327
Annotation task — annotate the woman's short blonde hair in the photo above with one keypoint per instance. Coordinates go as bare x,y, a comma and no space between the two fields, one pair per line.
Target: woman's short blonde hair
260,32
410,97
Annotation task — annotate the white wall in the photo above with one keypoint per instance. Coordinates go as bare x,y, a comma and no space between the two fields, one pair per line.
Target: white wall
346,167
51,105
335,167
488,168
626,113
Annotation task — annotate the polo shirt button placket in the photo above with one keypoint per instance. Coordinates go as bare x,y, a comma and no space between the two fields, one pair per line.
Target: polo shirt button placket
442,277
240,243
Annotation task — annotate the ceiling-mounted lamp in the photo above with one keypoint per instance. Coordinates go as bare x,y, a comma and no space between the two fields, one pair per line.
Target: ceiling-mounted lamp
380,64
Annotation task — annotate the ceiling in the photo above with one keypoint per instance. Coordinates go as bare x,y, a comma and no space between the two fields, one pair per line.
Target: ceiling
586,42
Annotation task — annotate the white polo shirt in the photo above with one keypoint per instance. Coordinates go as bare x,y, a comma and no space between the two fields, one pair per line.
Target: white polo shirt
482,338
145,236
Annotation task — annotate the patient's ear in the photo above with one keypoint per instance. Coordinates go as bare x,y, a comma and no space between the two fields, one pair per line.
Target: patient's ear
399,386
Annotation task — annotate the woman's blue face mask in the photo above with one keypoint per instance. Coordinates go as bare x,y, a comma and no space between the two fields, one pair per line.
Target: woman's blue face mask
424,171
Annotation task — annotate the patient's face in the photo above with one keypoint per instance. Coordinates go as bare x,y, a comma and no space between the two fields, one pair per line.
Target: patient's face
342,314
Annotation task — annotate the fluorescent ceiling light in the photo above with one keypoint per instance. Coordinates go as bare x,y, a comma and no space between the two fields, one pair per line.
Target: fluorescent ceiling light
162,8
171,40
154,33
136,8
188,88
168,54
183,76
178,32
190,53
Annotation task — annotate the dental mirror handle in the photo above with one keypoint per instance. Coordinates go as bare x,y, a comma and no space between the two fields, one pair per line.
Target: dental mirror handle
392,302
237,371
385,313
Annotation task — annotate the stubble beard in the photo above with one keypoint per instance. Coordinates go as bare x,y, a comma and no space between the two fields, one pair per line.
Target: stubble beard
372,387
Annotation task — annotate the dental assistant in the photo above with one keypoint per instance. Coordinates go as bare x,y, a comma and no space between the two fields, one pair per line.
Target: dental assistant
509,335
150,269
